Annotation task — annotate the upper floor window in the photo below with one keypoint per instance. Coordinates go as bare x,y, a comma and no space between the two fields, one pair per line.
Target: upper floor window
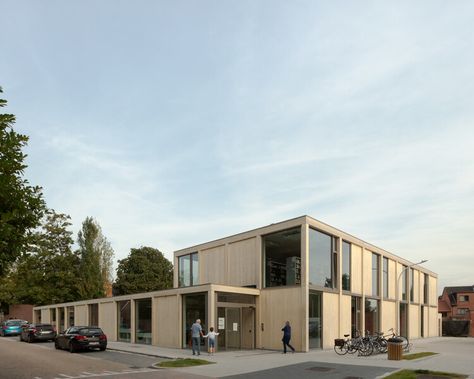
346,266
282,256
463,297
322,259
403,281
463,311
412,284
426,288
188,270
375,274
385,277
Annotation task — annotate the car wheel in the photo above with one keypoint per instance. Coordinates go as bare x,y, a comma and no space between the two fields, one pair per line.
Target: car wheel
21,339
103,348
56,345
30,339
72,349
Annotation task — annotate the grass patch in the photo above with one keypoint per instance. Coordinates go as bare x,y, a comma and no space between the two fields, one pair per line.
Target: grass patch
185,362
414,374
418,355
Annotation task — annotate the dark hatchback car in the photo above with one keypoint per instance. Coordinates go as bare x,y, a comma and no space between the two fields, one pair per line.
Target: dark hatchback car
12,327
81,338
37,332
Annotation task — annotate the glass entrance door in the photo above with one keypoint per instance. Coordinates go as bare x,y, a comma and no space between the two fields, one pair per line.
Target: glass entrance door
232,328
315,320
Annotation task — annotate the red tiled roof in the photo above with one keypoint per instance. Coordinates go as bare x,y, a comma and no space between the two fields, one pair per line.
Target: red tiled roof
443,306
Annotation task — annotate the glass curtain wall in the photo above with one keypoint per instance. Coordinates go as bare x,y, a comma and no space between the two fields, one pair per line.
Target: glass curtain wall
322,259
143,321
124,311
194,307
372,316
282,256
346,266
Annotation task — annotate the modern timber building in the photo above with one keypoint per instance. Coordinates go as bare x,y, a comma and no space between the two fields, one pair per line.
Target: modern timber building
326,282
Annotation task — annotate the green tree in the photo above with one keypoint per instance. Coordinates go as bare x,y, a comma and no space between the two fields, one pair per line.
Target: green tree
95,265
145,269
21,205
48,272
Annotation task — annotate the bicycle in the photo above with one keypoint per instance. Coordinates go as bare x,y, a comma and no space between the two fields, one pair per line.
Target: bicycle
406,345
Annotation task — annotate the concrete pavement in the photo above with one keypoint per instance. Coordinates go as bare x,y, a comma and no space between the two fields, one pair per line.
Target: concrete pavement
454,355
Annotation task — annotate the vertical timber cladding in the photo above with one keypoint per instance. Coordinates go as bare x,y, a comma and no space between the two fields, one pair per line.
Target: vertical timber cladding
108,319
330,327
278,305
356,272
166,329
388,319
81,315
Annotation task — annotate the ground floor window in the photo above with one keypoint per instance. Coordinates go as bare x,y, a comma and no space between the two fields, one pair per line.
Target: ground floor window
62,326
372,316
403,319
194,307
70,313
52,316
143,321
124,318
355,316
315,320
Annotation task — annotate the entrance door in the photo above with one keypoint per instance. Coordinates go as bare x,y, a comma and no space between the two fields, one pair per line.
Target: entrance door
315,320
248,328
232,328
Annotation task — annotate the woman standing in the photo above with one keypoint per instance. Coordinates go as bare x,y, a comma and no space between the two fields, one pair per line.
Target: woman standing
287,337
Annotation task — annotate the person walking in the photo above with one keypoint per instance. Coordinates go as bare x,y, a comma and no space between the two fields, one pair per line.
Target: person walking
196,333
287,337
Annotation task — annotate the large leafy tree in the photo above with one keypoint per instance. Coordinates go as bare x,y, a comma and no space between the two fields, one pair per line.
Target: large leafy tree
95,265
48,272
21,205
145,269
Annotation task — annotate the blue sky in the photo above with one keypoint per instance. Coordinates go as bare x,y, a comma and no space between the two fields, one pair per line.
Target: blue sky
177,122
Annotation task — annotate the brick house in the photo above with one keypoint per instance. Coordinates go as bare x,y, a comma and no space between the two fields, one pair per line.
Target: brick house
457,304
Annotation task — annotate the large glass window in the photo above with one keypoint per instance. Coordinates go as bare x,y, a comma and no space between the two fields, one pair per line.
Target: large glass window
322,259
194,307
412,285
282,254
124,311
52,316
372,316
403,319
62,319
385,278
375,274
188,270
94,314
346,266
143,321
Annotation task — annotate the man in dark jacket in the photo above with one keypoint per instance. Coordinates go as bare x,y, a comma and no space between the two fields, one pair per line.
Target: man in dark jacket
287,337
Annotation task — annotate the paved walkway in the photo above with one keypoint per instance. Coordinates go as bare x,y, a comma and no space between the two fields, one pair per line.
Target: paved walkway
454,355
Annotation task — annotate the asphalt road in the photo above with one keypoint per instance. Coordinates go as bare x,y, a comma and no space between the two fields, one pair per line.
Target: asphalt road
40,360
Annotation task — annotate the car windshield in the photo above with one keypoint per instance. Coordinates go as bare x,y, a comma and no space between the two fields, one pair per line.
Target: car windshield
90,331
15,323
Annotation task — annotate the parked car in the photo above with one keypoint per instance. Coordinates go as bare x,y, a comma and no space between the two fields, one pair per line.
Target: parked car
37,332
80,338
12,327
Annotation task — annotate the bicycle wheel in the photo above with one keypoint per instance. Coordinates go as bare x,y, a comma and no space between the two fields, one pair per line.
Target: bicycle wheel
340,350
405,342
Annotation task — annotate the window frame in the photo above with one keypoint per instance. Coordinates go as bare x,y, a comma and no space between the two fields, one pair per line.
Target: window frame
192,275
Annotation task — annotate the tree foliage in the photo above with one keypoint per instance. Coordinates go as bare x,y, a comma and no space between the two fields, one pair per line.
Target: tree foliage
95,266
21,205
145,269
48,272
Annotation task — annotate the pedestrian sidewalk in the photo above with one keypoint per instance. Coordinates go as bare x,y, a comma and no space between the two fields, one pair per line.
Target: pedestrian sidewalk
454,355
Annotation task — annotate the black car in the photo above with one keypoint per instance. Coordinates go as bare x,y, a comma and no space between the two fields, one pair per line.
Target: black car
37,332
81,338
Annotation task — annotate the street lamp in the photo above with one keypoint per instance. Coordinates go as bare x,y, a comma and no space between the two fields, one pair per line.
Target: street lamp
398,290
